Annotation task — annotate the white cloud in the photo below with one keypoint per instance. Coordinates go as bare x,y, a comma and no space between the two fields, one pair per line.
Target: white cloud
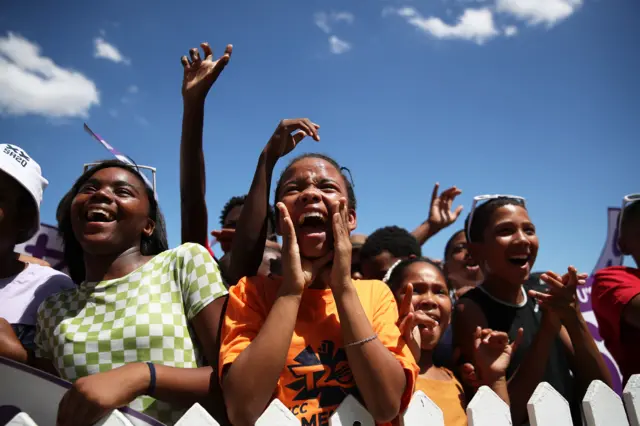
33,84
474,24
511,31
325,21
337,46
536,12
108,51
133,89
343,16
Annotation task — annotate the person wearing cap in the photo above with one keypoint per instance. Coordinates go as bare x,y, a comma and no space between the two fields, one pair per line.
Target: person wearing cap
24,284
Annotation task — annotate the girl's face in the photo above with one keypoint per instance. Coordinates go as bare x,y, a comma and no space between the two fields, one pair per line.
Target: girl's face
110,212
461,269
510,245
430,295
309,187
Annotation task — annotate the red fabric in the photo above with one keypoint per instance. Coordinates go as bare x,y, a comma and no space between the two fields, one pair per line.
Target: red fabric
208,247
613,289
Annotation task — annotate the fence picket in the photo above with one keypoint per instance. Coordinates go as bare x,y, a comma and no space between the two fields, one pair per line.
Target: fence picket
197,416
351,413
602,406
277,414
488,409
631,398
422,410
547,407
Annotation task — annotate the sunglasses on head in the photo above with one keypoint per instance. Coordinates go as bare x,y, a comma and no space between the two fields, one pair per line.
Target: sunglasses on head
482,199
627,200
137,167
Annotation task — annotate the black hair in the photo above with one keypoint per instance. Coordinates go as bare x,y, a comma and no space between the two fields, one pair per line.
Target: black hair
73,253
449,246
231,204
630,215
239,201
397,241
395,279
482,215
351,195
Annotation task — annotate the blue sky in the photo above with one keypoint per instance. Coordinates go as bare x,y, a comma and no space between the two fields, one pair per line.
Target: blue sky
532,97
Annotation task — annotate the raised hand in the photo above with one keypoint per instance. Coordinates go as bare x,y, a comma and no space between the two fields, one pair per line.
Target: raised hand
297,273
288,134
92,397
200,74
341,268
561,299
409,322
492,353
440,213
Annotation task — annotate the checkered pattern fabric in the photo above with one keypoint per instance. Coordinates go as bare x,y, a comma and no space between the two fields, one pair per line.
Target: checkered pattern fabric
141,317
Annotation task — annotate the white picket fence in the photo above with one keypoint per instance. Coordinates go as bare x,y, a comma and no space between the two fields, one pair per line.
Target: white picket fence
601,407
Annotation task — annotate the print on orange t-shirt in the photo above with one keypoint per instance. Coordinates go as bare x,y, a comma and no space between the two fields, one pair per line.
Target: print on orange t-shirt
316,376
448,395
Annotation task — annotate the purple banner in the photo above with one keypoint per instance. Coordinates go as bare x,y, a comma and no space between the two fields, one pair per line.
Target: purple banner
47,245
610,256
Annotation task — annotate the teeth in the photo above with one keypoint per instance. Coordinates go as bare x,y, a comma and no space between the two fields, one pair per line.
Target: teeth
93,214
309,215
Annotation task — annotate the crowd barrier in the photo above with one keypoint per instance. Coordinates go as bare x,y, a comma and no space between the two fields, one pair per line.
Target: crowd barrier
29,397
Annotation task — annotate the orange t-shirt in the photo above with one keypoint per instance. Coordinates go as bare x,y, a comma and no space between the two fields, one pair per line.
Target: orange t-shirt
316,376
448,395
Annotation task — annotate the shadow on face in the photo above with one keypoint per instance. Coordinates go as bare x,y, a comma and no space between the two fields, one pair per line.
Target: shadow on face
509,246
376,267
430,298
460,268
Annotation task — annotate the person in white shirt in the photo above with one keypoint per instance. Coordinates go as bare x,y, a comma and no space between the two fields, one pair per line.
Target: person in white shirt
23,284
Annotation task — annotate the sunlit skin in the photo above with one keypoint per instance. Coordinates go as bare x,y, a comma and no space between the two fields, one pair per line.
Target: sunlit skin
508,251
311,185
430,297
461,270
123,197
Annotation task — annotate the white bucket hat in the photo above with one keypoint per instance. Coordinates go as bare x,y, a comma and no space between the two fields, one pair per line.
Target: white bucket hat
15,162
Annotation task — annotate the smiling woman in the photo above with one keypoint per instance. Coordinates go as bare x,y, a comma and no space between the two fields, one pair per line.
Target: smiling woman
125,335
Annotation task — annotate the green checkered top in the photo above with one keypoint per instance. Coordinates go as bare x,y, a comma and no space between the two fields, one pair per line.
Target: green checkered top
143,316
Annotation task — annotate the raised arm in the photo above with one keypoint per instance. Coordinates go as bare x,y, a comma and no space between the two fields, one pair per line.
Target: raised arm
251,230
251,379
440,214
586,360
378,374
199,76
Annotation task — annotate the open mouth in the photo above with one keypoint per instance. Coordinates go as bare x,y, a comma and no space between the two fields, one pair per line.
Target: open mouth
312,222
434,317
520,260
472,266
99,215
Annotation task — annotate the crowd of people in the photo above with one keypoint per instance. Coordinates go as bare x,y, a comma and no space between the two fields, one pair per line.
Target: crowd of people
324,314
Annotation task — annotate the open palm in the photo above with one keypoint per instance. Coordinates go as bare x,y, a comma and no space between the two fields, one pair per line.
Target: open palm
200,74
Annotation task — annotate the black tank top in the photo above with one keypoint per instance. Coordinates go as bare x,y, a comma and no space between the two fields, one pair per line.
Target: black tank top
509,318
